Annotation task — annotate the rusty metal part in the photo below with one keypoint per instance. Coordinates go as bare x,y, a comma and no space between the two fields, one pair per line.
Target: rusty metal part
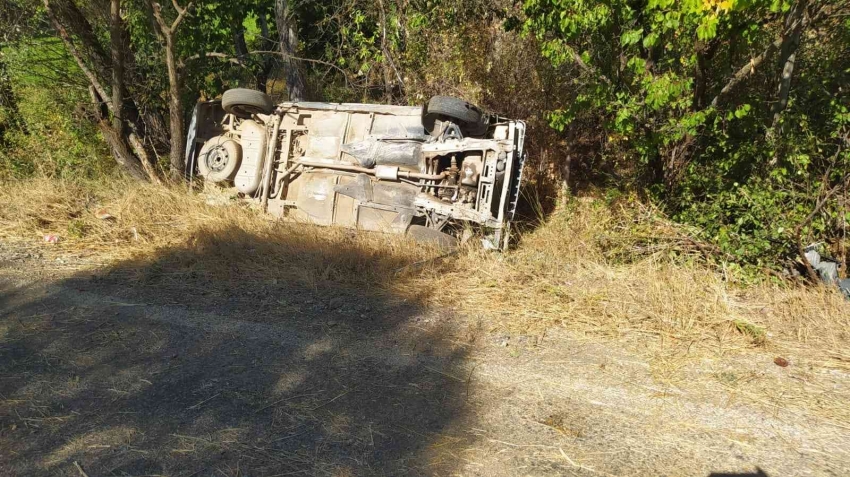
270,158
364,170
279,183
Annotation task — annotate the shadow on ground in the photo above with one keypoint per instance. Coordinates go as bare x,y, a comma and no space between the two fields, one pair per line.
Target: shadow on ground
167,366
758,473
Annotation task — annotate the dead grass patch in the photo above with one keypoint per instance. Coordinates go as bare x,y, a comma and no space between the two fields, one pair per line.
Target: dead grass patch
622,272
627,274
147,221
92,442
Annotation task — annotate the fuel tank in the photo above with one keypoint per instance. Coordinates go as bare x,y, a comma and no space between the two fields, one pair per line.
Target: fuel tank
250,173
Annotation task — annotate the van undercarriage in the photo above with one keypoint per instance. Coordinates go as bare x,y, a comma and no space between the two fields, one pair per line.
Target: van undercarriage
434,172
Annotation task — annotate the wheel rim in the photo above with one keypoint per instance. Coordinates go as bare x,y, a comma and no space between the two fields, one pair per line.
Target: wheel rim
217,159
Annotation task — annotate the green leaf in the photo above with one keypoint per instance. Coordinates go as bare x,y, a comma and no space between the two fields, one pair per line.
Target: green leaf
708,28
650,40
631,37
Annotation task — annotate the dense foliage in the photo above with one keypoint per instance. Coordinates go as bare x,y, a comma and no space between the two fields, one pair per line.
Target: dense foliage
732,115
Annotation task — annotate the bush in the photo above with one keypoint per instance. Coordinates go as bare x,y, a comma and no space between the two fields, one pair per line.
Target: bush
44,135
54,143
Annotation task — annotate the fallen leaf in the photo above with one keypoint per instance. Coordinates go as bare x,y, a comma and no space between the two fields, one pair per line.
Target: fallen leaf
103,214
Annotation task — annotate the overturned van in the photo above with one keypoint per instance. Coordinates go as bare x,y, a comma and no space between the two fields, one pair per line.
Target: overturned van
435,172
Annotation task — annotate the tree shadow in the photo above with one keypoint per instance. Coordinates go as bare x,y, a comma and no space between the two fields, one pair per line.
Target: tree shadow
198,361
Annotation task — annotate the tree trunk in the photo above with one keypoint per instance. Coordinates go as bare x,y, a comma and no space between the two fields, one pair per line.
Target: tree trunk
795,21
117,53
288,43
704,55
121,116
70,15
175,112
113,134
268,62
9,101
239,43
69,45
388,91
120,151
175,105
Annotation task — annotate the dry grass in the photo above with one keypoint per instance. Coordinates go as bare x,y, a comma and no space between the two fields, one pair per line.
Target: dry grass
563,274
148,222
570,272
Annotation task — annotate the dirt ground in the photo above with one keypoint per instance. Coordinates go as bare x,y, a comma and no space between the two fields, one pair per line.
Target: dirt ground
106,374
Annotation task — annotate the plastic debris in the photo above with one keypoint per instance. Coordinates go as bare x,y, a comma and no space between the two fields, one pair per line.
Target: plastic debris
844,286
813,256
51,238
827,270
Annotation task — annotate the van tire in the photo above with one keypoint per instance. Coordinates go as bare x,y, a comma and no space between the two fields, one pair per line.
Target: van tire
470,118
219,159
246,102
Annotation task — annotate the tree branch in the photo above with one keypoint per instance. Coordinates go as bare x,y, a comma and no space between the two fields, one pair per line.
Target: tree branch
754,62
587,68
157,14
181,14
239,60
66,38
788,56
163,25
83,32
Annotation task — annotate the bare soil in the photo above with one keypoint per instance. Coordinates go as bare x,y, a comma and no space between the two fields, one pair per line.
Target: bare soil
110,370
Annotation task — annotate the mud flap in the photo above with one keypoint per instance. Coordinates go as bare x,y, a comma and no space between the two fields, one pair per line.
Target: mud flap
429,236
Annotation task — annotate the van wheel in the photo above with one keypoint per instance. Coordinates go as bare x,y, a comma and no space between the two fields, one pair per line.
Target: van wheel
245,102
470,118
219,159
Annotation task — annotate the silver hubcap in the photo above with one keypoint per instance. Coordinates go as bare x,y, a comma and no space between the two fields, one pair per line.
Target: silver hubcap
217,159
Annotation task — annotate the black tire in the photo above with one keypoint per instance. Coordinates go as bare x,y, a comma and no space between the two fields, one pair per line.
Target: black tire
470,118
245,102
